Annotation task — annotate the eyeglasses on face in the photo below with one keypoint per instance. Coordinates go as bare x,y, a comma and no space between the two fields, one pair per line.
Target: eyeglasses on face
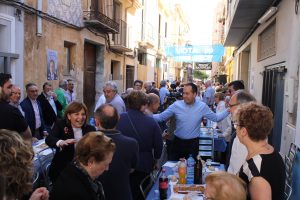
232,105
235,125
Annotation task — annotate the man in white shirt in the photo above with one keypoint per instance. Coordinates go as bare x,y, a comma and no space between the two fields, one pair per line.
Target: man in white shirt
15,97
238,151
33,111
111,96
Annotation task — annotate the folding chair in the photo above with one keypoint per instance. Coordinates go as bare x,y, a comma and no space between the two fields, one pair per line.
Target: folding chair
45,157
206,142
146,185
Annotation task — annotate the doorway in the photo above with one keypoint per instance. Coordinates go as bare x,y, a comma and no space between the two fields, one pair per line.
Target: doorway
129,76
89,76
273,96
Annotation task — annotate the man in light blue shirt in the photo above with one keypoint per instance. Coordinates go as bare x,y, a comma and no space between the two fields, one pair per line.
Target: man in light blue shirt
163,91
188,113
209,94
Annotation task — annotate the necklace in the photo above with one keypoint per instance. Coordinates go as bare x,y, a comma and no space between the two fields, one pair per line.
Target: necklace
250,155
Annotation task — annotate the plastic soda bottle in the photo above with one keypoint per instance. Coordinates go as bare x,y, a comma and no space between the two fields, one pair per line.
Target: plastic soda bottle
182,171
190,170
163,185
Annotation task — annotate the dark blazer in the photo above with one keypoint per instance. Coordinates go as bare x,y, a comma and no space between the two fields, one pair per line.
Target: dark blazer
125,158
62,157
73,184
47,110
147,134
30,117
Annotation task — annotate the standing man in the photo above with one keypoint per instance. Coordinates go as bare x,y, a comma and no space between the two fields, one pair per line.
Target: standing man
188,113
33,111
238,150
138,85
235,86
150,89
209,93
50,105
10,117
61,97
110,91
115,181
163,92
70,94
15,98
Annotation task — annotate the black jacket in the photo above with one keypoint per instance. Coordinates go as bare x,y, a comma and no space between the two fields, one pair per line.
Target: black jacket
62,157
47,110
73,184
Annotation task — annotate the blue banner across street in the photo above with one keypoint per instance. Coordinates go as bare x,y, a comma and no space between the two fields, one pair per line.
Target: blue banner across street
199,53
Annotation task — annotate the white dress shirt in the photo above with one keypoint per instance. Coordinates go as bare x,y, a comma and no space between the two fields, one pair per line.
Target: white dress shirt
238,157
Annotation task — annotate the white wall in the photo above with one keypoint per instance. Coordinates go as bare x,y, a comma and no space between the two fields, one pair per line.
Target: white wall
288,51
12,41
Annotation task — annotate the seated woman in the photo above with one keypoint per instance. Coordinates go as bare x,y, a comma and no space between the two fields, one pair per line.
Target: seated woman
65,134
263,170
16,168
224,186
93,154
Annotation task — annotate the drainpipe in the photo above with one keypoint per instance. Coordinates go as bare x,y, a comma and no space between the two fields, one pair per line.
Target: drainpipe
39,29
124,56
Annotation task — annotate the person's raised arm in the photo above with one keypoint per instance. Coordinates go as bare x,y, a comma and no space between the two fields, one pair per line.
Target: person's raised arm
169,112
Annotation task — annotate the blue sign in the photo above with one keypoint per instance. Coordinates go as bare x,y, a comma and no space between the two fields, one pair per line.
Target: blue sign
200,53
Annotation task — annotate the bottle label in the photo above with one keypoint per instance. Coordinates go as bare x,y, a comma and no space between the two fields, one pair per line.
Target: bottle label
163,185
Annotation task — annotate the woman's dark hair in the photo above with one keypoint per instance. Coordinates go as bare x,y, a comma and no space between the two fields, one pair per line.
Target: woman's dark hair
136,99
194,87
93,145
75,107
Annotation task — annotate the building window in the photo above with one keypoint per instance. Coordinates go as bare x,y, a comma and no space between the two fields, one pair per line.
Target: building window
68,58
266,42
116,70
142,58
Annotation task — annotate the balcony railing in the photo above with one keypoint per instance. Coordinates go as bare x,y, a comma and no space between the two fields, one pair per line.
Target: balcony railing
120,39
100,21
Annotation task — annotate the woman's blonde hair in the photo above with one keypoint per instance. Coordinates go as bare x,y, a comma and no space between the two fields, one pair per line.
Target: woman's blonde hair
15,164
226,186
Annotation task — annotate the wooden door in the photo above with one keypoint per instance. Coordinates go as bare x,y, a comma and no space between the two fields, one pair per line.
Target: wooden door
89,91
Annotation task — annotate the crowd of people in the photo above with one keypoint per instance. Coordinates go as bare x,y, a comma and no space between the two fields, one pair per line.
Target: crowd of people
109,159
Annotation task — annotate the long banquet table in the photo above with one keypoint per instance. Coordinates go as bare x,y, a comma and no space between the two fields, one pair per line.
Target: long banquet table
168,166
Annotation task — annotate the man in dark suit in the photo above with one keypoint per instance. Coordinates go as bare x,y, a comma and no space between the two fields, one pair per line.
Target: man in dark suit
51,71
33,111
49,104
115,181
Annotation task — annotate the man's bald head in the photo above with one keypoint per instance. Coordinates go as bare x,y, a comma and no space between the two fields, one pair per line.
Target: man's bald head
106,117
154,102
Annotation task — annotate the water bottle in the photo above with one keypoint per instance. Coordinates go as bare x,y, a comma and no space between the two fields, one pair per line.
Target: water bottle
182,171
190,170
